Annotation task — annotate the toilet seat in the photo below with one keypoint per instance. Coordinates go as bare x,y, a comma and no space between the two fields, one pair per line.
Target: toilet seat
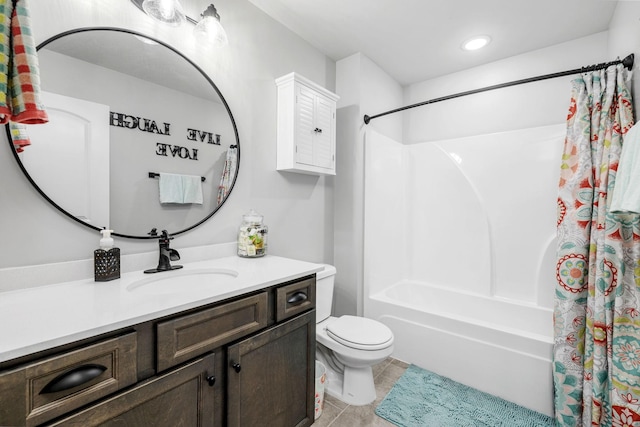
360,333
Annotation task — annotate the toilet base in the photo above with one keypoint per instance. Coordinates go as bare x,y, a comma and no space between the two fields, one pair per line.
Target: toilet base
353,386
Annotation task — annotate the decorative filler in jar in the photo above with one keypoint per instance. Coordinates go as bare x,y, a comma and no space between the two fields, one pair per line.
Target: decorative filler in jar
252,236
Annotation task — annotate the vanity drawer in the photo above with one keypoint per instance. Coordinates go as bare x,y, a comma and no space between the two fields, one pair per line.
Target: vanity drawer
189,336
295,298
41,391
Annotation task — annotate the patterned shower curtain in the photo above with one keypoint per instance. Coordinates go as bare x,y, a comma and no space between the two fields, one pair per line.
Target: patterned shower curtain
596,364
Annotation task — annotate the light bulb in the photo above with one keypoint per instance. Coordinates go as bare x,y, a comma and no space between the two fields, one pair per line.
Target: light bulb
166,11
209,29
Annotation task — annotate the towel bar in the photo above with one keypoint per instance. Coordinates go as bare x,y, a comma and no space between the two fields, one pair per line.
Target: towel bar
155,175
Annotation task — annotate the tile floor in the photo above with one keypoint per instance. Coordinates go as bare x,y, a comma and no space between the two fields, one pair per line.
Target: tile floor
339,414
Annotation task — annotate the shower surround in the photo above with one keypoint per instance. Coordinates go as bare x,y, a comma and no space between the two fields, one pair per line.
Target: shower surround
459,256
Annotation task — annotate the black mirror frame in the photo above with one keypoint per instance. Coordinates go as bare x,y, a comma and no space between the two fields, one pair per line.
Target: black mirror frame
233,122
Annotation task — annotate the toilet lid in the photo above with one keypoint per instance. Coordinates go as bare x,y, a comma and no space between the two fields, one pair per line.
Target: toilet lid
360,333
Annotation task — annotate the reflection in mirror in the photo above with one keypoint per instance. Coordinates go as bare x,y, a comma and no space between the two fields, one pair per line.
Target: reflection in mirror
131,120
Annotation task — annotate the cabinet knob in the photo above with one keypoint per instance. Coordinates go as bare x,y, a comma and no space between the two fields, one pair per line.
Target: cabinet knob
211,379
236,366
317,130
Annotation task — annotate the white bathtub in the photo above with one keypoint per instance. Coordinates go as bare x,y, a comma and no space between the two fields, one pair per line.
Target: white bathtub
497,346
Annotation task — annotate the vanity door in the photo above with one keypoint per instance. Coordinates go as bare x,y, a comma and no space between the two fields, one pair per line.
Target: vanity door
271,378
182,397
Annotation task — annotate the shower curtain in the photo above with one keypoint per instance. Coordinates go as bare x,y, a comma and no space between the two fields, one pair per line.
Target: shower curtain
596,361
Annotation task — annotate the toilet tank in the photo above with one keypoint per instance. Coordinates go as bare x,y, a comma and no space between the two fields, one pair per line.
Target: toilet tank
324,292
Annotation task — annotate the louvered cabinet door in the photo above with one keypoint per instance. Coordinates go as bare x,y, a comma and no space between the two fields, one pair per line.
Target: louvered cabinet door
324,144
305,125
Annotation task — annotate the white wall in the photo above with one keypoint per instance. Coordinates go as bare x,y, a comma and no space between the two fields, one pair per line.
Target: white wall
259,51
364,88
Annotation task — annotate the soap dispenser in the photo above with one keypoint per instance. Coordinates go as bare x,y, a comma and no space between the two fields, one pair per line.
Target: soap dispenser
106,260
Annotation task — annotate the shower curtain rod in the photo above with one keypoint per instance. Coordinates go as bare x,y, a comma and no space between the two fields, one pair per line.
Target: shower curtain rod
627,62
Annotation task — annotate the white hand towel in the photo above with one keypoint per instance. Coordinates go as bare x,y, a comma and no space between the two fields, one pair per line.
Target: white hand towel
192,189
175,188
170,186
626,192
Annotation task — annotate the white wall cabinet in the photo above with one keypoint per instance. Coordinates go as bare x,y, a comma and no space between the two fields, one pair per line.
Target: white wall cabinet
306,126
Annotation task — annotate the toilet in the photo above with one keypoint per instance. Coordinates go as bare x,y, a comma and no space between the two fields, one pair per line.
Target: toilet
348,346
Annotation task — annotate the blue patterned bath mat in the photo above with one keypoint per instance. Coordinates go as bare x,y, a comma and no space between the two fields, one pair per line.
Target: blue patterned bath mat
423,399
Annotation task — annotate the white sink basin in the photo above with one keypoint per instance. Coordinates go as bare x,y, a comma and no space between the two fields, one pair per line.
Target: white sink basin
177,281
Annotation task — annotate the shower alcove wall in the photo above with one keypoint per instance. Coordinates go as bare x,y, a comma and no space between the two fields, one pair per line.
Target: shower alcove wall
459,255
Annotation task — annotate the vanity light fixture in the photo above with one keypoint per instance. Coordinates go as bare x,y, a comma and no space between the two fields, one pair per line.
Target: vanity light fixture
208,28
476,43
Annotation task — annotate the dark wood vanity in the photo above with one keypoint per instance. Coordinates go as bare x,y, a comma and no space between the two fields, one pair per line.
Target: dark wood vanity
244,361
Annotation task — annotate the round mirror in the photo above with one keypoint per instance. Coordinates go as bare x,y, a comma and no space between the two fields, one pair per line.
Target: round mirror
139,137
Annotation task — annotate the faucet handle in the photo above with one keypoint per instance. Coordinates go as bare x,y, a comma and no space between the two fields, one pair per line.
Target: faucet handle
153,232
165,235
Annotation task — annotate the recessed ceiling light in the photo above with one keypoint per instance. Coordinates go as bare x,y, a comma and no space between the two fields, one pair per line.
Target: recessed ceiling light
476,43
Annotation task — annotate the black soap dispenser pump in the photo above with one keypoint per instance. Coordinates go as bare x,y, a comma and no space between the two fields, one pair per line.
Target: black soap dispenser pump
106,260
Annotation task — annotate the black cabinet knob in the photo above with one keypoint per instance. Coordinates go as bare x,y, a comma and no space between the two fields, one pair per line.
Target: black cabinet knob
236,366
211,380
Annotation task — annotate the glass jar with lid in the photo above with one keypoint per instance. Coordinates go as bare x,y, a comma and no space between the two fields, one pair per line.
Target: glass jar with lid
252,236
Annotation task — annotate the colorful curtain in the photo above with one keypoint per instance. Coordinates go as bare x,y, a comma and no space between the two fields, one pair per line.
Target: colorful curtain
596,364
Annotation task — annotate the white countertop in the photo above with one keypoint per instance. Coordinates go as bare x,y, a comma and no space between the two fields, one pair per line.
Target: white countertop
43,317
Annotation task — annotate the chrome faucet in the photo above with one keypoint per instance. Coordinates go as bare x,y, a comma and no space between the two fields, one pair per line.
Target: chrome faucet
166,254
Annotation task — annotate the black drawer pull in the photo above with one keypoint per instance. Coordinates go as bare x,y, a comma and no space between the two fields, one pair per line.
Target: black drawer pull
297,298
73,378
236,367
